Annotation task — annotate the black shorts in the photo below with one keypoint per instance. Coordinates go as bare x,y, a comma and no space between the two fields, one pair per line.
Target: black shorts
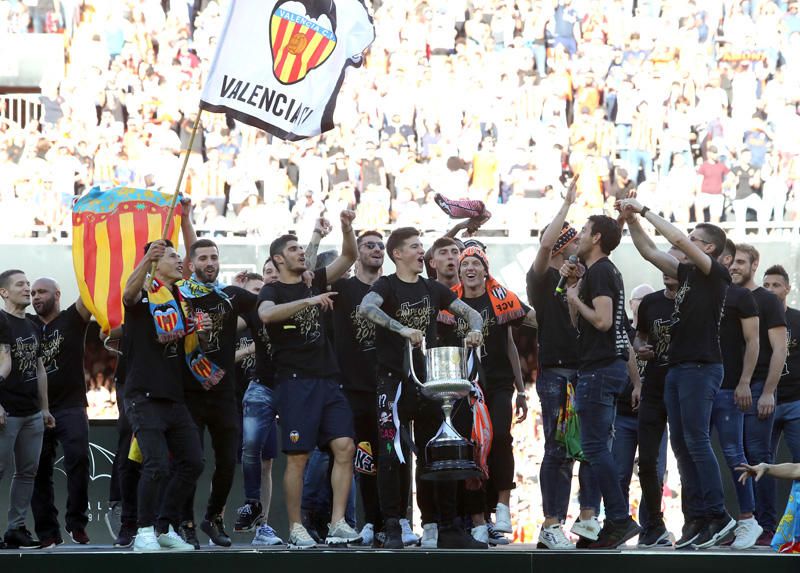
312,411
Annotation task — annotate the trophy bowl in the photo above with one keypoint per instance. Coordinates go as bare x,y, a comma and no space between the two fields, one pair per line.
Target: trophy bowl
449,456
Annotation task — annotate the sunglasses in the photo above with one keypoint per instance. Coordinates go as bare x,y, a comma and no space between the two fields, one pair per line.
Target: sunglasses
372,244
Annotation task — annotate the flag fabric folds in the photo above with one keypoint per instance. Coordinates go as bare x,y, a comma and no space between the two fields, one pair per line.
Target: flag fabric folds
280,64
109,231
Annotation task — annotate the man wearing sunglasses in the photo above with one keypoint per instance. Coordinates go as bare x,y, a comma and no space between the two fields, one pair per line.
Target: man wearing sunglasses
695,370
355,349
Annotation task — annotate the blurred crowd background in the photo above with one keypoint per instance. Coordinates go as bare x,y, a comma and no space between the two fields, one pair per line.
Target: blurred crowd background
692,103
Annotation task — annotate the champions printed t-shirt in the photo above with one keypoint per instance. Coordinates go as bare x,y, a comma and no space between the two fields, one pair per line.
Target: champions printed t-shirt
697,314
154,370
654,317
739,304
19,392
494,351
61,342
558,339
596,348
789,386
414,305
300,348
221,337
770,315
264,366
354,336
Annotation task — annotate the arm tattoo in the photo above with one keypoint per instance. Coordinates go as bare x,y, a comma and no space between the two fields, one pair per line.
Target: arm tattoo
370,308
311,251
465,311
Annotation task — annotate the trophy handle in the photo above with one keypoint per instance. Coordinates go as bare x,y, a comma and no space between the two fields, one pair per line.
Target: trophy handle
473,374
412,374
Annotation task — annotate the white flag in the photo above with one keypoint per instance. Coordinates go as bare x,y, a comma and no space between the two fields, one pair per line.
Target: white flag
280,63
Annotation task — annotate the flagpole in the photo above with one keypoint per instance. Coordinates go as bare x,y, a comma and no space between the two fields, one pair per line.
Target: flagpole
176,194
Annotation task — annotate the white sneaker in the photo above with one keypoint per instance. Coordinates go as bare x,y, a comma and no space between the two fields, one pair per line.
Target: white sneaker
409,537
553,537
340,533
481,533
171,541
587,528
747,533
299,538
430,536
265,535
146,541
367,534
495,537
502,519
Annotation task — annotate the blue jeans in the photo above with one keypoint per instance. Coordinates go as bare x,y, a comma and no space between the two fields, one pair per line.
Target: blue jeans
596,404
640,159
758,449
689,396
787,422
540,57
555,474
259,436
626,441
317,492
728,419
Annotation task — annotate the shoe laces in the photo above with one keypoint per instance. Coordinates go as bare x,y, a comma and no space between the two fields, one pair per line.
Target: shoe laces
265,529
301,533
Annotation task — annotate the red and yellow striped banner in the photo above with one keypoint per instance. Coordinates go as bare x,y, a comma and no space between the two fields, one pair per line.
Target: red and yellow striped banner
109,231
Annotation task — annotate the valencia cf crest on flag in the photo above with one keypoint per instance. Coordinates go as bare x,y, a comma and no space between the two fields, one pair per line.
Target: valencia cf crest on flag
302,36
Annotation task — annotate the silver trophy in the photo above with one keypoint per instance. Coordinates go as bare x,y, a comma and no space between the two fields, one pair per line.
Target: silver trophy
449,456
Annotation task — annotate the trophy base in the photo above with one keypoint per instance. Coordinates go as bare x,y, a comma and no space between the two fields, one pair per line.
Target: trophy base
449,460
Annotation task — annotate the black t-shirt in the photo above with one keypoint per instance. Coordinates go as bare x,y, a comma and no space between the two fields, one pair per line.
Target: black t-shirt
19,393
494,353
221,336
264,366
246,367
739,304
596,348
414,305
355,336
558,339
300,346
155,370
697,314
654,316
789,386
770,315
625,399
62,353
743,176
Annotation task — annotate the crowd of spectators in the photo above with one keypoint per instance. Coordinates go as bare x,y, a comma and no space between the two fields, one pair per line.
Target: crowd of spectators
692,102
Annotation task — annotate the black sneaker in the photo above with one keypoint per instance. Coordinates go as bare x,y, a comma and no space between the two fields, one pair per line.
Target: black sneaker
452,537
393,534
583,542
616,533
248,517
653,536
126,536
691,529
20,538
188,533
716,530
215,529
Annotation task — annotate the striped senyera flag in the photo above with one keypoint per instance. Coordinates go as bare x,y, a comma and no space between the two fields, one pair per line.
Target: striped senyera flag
109,231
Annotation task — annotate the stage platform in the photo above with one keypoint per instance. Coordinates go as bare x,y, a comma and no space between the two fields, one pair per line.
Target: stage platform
516,558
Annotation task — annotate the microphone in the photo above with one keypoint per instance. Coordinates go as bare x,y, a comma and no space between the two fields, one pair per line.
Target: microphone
562,284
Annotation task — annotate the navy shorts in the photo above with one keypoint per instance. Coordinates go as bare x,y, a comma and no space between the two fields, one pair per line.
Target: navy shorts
313,411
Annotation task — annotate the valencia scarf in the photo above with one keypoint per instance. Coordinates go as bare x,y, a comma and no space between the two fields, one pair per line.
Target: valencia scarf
173,320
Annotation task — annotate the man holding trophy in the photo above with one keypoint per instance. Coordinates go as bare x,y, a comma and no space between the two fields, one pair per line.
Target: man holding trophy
405,305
